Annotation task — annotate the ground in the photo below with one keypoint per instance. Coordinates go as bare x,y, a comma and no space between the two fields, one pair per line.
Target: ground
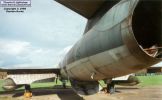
122,93
149,89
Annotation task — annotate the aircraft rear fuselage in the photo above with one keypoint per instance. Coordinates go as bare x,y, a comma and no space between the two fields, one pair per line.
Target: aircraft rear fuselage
115,45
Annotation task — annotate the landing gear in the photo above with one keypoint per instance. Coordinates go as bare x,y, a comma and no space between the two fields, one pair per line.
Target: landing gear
110,88
63,83
28,92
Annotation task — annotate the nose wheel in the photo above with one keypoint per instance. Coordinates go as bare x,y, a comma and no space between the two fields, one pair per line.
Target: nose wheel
28,92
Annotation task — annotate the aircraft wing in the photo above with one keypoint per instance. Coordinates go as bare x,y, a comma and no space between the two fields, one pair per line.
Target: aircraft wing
86,8
27,76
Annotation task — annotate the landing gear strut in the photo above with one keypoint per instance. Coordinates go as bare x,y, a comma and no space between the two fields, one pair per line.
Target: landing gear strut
110,88
64,84
28,92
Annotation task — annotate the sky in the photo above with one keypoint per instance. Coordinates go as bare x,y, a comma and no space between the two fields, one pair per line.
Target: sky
39,37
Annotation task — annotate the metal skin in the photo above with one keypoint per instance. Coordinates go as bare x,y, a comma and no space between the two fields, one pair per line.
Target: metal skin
10,85
131,81
111,47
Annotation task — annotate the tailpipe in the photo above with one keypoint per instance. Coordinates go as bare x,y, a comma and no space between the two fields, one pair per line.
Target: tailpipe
147,26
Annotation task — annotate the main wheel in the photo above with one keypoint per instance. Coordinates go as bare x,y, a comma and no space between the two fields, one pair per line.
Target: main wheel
28,92
111,88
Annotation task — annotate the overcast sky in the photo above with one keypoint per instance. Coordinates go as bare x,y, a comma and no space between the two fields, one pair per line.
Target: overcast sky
40,36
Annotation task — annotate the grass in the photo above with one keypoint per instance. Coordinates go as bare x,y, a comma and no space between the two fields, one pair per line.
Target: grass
150,80
49,84
145,81
1,82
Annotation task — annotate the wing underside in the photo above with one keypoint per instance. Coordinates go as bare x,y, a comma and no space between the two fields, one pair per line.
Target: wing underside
28,76
86,8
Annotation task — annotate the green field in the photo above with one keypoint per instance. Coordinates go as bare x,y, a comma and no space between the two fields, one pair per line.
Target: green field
1,85
145,81
150,80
